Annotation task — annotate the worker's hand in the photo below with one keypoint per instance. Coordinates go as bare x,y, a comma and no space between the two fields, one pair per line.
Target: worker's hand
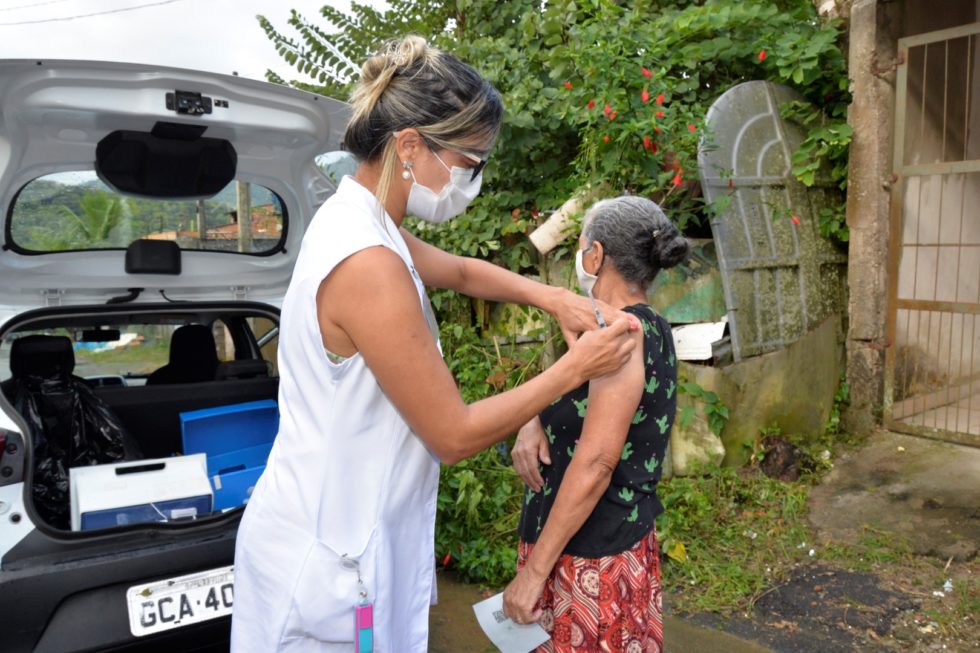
602,351
530,448
522,595
575,315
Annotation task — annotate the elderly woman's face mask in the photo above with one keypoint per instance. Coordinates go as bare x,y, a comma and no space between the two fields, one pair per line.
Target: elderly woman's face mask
586,280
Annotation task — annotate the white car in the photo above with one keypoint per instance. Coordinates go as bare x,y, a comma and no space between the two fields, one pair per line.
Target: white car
152,217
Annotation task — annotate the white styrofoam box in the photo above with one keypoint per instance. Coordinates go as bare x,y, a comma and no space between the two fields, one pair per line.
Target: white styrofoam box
157,489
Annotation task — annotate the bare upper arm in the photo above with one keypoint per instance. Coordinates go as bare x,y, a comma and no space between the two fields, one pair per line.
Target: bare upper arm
613,401
436,267
371,299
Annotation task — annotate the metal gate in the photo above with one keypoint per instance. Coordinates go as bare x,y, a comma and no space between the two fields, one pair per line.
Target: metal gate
932,382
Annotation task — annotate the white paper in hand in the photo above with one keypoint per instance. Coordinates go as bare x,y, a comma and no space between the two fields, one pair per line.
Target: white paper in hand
506,635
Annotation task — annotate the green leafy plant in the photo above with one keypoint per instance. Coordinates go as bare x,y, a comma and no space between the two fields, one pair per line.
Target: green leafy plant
842,399
480,498
101,213
822,156
598,94
715,409
755,451
477,512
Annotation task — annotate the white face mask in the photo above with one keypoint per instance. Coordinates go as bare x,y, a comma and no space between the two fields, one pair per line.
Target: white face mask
586,280
456,195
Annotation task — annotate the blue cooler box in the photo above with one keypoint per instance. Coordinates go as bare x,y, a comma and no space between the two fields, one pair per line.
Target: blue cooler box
237,440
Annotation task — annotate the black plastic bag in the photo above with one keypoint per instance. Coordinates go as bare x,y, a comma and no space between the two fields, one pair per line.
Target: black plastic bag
70,427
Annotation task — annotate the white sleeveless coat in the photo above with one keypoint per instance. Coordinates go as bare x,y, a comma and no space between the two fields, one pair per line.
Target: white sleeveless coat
346,476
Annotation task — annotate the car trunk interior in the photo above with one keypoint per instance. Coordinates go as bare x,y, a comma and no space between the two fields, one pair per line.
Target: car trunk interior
91,402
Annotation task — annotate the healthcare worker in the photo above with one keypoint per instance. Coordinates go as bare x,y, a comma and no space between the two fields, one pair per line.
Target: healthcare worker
341,523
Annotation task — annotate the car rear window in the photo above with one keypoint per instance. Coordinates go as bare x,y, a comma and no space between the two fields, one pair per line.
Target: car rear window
71,211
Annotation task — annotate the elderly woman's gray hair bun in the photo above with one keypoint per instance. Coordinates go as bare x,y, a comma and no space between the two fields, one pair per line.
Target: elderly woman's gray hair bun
636,236
670,248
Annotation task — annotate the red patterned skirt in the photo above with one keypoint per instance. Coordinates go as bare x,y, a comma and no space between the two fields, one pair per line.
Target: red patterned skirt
611,604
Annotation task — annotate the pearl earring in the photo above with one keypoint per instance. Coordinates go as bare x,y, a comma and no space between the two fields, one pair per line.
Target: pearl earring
407,172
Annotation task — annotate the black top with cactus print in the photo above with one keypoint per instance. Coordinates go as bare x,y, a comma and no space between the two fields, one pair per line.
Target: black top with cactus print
627,509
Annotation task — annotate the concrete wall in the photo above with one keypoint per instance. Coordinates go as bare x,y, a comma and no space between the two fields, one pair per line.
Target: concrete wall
874,31
791,389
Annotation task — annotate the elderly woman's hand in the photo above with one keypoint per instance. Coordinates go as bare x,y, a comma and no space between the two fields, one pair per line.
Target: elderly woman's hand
521,597
575,315
530,448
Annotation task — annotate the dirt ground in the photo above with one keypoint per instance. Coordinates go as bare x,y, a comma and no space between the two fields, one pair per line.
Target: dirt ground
825,609
925,491
911,508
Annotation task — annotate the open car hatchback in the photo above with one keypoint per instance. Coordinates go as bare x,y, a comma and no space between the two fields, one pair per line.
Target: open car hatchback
152,217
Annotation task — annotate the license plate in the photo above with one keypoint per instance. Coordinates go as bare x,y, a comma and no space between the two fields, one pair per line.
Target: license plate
176,602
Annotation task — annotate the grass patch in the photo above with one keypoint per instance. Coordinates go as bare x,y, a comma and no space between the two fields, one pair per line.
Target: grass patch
874,549
956,615
728,535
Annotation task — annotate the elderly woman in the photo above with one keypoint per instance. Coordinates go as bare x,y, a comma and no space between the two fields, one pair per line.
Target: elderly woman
588,566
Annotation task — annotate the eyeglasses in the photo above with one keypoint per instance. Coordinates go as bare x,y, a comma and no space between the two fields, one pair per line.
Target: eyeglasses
478,167
479,162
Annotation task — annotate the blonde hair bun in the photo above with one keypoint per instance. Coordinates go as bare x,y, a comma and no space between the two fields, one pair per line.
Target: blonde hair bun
378,71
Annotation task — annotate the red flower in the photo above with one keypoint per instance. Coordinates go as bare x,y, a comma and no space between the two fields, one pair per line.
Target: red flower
647,73
645,96
612,116
731,184
653,148
678,179
692,128
677,165
605,139
795,220
607,109
568,85
656,130
762,54
647,142
591,104
445,561
659,114
660,99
